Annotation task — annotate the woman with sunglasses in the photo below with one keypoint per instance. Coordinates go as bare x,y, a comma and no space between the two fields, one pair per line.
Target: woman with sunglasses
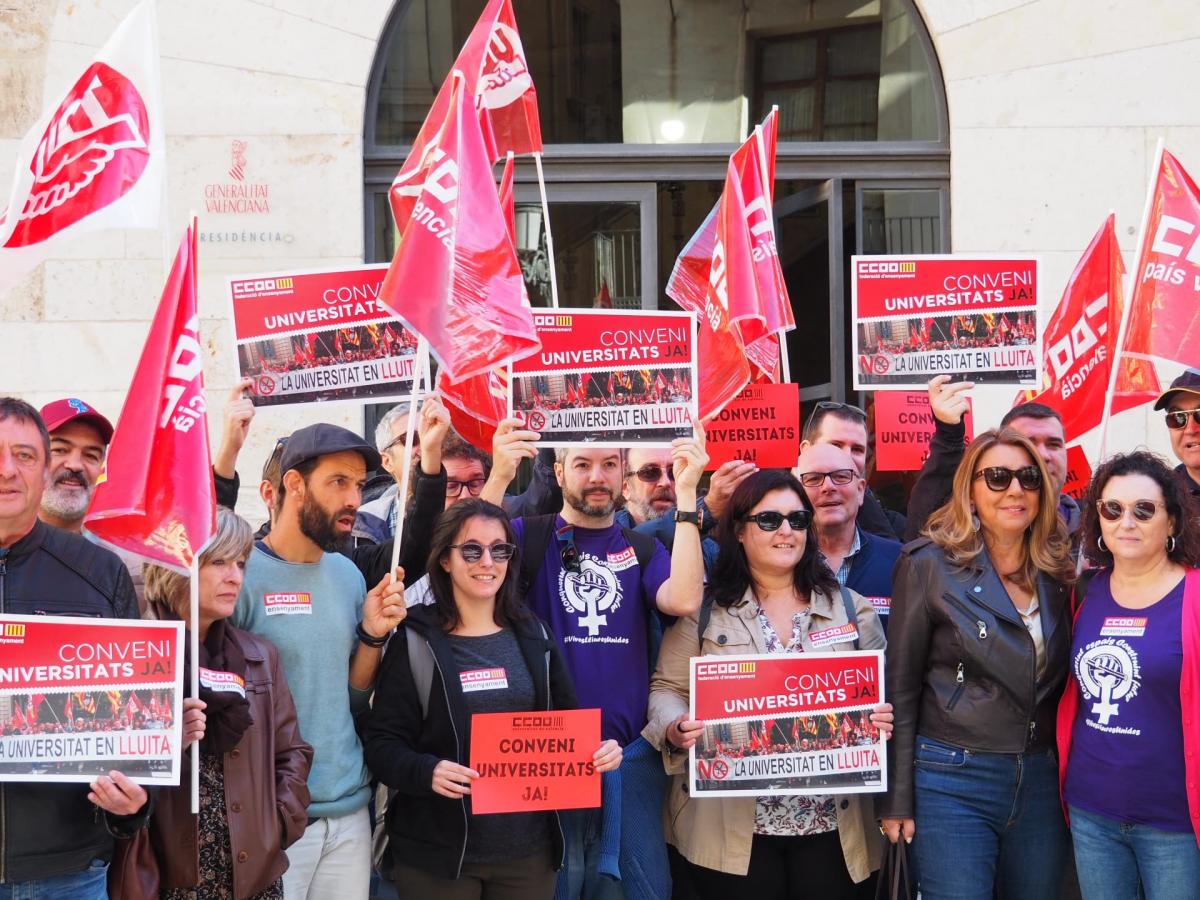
1129,722
771,592
489,654
978,648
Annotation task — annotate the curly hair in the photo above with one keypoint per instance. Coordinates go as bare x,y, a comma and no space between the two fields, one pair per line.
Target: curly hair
1186,548
731,575
1047,544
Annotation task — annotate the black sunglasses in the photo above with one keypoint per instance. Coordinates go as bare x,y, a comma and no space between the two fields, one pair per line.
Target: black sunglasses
472,551
1114,510
1178,418
837,476
652,473
474,487
769,520
571,560
998,478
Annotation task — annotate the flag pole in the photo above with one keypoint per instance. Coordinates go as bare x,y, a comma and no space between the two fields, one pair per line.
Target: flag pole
194,668
537,161
406,464
784,362
1115,368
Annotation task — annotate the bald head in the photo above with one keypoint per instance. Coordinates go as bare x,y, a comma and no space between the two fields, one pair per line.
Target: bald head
821,468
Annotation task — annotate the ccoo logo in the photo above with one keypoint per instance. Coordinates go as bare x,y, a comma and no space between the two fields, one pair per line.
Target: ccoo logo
505,76
93,152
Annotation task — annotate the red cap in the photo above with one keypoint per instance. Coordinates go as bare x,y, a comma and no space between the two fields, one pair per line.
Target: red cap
60,412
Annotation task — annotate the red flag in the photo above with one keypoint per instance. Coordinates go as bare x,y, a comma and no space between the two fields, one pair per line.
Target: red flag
67,708
455,277
1081,338
16,718
1164,318
156,498
603,298
660,384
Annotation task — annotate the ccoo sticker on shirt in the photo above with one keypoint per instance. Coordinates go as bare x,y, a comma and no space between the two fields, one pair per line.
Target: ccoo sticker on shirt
483,680
1124,626
839,634
222,681
881,605
289,604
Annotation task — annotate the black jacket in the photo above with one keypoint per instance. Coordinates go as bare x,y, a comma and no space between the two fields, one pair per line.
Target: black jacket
402,748
52,829
961,666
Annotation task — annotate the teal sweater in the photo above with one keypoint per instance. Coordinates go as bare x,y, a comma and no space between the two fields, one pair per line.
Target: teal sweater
308,611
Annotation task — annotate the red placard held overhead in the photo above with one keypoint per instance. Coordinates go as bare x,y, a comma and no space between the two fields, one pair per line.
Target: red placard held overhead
1079,473
760,425
904,427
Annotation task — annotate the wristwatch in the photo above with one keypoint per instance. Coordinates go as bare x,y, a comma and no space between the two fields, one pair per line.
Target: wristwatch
692,517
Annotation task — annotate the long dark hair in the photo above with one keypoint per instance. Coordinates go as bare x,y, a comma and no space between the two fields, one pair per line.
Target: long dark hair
731,575
1186,548
509,607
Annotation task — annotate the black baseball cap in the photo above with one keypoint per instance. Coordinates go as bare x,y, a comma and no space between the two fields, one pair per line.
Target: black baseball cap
323,439
1187,383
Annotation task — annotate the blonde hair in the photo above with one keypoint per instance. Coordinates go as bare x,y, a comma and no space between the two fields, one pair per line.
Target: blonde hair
167,590
953,526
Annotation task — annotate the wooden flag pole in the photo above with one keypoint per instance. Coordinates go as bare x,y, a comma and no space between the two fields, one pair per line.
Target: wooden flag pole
194,669
422,367
537,161
1115,367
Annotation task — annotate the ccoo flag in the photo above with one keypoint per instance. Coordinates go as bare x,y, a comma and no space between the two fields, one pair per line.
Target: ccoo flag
157,498
455,279
1164,317
93,161
1081,339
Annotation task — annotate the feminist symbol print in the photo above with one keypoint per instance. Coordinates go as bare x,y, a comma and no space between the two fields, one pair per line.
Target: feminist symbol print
1107,671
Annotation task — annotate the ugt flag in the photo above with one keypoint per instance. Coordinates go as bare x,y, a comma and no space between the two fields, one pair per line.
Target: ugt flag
157,499
95,160
455,279
1164,315
1081,342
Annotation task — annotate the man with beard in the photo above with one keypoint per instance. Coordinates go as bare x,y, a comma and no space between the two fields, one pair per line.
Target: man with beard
312,603
79,438
861,561
597,585
648,488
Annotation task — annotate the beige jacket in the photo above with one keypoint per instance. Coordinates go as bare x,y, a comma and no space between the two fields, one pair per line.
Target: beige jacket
716,832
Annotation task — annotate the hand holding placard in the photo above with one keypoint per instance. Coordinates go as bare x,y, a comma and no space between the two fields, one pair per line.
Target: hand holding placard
949,402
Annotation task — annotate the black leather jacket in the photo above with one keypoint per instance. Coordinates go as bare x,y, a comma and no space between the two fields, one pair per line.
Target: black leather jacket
52,829
961,666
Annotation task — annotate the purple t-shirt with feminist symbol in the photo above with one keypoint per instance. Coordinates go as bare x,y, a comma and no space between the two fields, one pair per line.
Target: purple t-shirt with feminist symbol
1127,740
600,616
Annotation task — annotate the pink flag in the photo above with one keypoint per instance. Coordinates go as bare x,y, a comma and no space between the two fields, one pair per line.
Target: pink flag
156,498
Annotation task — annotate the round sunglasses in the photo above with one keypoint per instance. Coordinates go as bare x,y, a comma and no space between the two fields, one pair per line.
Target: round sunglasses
472,551
769,520
1114,510
998,478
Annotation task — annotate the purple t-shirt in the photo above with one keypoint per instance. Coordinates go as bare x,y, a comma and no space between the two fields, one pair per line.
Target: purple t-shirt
1127,740
601,618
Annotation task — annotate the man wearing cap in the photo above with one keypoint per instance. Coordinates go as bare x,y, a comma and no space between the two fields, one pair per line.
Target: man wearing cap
55,839
79,438
313,605
1182,403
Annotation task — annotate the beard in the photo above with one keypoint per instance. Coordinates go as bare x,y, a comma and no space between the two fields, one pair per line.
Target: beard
646,510
320,526
66,504
579,503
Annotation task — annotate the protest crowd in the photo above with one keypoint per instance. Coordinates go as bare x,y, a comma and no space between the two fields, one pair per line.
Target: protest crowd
993,691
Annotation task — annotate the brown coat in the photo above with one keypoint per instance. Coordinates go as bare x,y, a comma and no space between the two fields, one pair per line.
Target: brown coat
266,814
716,832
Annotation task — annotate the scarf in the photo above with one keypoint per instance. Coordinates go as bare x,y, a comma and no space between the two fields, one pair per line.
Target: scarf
223,689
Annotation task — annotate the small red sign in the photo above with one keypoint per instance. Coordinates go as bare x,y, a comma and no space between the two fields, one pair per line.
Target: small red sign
760,425
1079,473
534,761
903,429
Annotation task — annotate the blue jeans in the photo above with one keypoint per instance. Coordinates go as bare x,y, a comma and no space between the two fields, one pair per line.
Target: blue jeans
987,821
580,878
1121,860
90,884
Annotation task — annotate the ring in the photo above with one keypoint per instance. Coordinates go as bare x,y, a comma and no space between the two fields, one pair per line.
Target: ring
883,831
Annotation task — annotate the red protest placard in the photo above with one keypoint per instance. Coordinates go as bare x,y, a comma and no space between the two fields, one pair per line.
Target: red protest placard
533,761
80,697
760,425
918,316
318,335
903,429
1079,473
608,378
788,723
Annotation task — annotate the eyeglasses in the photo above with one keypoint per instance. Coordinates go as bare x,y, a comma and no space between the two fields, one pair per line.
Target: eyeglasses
474,487
571,560
271,469
399,440
652,473
825,406
1178,418
998,478
769,520
837,476
1114,510
472,551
